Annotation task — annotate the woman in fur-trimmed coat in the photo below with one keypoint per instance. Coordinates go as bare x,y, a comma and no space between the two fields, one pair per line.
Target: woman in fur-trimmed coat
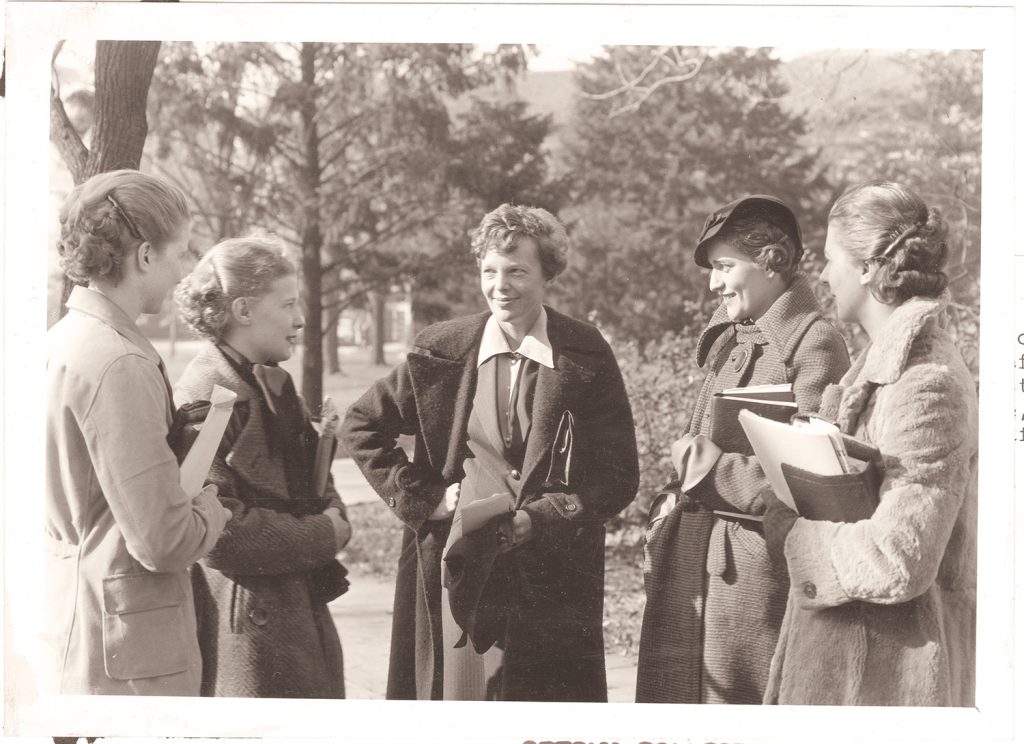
881,611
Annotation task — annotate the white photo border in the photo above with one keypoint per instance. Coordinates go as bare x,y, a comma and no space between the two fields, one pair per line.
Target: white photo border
33,28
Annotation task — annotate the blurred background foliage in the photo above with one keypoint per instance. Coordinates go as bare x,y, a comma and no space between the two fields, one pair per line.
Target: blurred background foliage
373,162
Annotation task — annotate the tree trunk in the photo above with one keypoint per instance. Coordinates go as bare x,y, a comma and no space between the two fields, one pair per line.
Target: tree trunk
332,317
378,304
312,237
124,71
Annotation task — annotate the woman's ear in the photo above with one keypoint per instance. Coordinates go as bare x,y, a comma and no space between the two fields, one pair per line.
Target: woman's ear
144,256
241,311
867,271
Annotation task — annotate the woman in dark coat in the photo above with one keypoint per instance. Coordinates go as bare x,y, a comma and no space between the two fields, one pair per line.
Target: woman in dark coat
714,600
541,604
881,611
262,592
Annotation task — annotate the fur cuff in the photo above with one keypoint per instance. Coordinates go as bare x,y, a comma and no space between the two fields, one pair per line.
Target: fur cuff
813,580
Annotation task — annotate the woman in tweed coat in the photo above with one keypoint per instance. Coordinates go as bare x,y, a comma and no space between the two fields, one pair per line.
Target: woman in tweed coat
262,592
881,611
714,600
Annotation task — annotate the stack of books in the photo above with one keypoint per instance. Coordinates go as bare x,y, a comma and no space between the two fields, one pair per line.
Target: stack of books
815,469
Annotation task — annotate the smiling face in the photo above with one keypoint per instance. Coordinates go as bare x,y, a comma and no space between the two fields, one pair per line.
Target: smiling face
513,284
746,289
267,327
846,278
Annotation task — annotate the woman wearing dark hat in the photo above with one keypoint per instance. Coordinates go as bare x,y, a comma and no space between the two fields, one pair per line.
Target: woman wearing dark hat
714,600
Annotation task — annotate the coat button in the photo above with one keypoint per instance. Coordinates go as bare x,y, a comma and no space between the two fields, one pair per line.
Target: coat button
514,474
739,359
810,590
570,506
391,501
258,616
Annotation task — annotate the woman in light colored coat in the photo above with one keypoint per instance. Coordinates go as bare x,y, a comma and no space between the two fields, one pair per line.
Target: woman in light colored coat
881,611
714,600
262,592
121,532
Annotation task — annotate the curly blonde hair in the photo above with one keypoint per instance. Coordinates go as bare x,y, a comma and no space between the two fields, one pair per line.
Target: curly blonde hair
503,228
238,267
111,214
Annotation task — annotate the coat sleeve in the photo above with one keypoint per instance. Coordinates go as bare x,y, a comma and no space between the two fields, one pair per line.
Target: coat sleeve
922,426
370,432
606,442
262,541
734,480
125,427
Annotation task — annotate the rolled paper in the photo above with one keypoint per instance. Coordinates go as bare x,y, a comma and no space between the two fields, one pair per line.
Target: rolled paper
329,419
197,462
478,513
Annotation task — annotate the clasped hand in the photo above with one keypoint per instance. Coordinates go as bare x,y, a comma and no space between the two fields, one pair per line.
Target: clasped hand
778,521
514,531
342,529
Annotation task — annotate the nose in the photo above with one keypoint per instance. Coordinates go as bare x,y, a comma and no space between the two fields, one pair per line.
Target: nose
716,283
823,277
298,320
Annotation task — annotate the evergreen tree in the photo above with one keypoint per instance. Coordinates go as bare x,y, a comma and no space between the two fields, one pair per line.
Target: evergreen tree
646,178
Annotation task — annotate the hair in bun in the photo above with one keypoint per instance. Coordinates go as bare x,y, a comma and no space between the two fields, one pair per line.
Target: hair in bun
757,234
112,213
238,267
891,226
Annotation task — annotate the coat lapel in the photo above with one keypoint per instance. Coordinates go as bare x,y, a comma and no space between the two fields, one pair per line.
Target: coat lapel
444,376
557,391
250,453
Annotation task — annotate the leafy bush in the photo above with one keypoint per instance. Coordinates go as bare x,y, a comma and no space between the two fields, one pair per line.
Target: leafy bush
662,380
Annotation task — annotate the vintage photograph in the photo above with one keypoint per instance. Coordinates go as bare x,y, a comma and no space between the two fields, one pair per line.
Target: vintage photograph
574,372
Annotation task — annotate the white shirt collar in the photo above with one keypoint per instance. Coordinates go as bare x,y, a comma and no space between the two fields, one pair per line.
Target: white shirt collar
535,345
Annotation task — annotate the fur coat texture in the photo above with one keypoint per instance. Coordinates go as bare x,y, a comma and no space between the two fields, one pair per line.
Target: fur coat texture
553,648
263,631
882,611
714,600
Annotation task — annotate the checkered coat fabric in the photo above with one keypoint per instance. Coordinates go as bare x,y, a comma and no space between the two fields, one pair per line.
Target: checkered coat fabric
261,632
714,600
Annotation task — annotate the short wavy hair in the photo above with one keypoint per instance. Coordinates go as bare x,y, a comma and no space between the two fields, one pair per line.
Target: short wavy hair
501,230
238,267
756,234
888,224
111,214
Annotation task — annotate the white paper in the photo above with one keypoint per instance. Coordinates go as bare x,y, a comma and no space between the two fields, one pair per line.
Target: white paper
806,447
200,456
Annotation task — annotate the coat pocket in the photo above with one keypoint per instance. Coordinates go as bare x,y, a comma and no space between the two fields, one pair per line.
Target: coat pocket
144,628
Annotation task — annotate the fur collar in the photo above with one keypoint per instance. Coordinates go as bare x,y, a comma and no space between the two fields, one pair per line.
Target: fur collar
783,324
886,356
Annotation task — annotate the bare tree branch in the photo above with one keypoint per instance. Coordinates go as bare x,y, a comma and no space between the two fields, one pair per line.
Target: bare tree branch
638,86
62,133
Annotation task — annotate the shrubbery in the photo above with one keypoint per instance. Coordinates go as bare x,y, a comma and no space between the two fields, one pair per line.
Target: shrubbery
662,380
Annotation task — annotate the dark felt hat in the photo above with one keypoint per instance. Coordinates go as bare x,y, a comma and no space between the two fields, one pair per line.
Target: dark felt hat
780,215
